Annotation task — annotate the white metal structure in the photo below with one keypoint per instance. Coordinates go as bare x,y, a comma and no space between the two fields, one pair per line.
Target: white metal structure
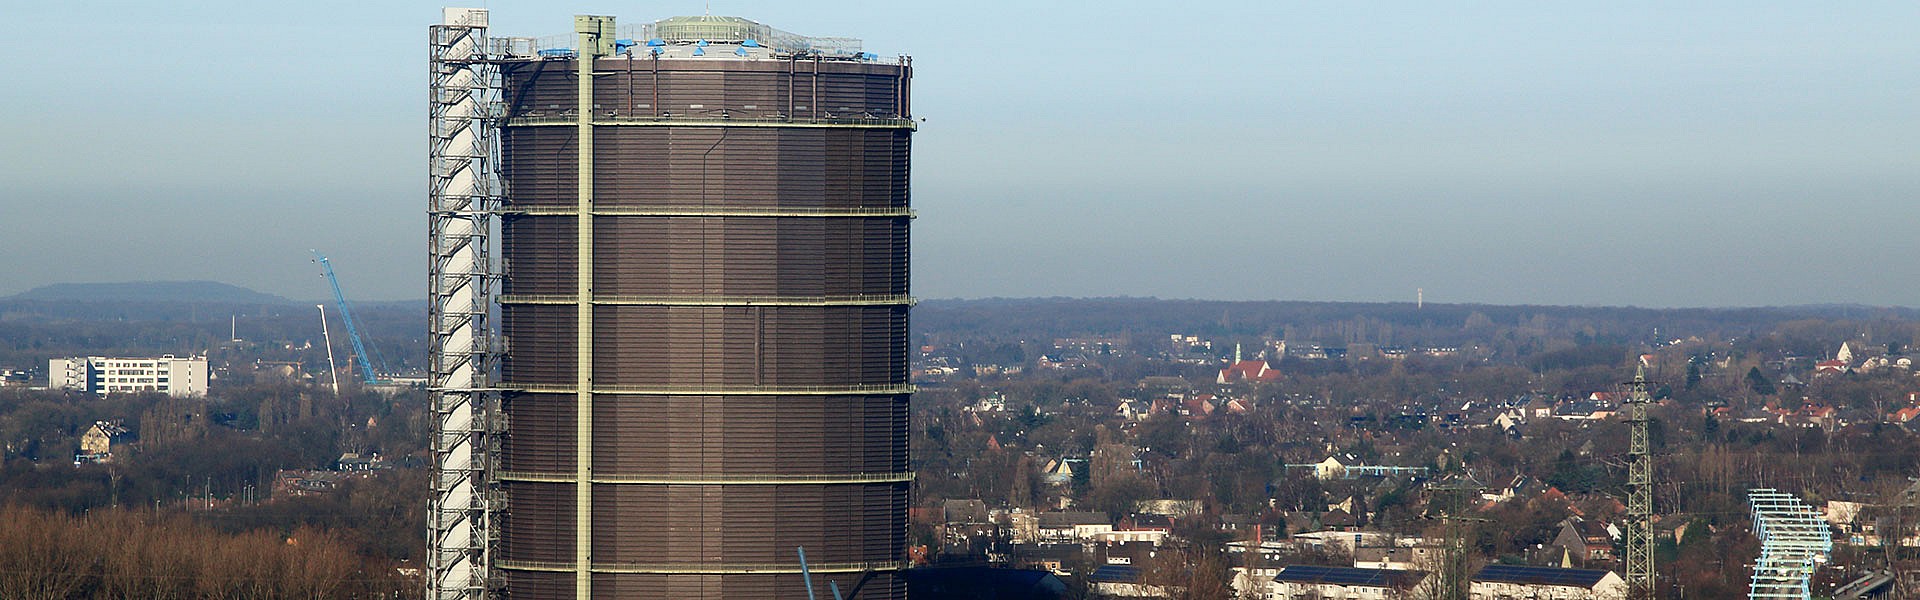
333,370
1793,540
713,28
461,201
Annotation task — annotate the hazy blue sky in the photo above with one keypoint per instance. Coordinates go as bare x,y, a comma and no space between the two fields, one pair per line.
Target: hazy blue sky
1717,153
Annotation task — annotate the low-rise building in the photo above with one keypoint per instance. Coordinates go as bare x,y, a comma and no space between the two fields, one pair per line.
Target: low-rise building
1340,541
103,375
1122,581
1587,540
1512,582
354,461
289,483
1150,529
97,444
1406,557
1313,582
1073,526
15,377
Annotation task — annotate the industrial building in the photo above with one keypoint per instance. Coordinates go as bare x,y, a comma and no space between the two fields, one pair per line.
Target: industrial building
180,377
700,362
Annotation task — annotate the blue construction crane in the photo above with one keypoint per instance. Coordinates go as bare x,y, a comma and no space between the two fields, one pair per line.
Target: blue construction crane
367,375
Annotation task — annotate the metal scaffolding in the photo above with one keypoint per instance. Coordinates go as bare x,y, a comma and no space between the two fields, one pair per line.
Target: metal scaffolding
1639,524
1793,540
461,200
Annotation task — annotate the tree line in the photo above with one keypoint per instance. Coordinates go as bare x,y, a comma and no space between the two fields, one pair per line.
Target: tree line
118,554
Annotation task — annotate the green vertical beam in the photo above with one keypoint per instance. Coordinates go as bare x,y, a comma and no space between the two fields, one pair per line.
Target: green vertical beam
596,40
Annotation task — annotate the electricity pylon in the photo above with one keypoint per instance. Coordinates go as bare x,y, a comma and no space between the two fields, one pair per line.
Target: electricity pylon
1639,525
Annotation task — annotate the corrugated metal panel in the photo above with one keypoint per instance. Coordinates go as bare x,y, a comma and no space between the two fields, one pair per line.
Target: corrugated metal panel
540,434
538,585
720,587
725,436
762,524
538,523
722,478
743,256
643,86
539,343
542,86
537,166
745,346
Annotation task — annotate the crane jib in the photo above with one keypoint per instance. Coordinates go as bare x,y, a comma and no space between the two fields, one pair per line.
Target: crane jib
367,373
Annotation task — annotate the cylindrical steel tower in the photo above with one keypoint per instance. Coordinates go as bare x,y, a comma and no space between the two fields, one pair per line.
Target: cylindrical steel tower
703,318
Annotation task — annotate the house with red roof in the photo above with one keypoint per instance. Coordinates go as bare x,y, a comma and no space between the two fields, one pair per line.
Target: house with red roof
1905,415
1607,398
1198,407
1819,415
1248,371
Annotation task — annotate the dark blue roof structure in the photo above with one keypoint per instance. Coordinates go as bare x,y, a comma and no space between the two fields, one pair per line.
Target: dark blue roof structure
1584,578
1386,578
1115,574
980,583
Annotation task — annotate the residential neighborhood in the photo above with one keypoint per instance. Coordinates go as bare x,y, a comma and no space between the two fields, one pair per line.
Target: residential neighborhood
1305,469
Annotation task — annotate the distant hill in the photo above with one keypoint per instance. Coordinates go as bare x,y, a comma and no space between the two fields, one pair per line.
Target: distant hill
148,291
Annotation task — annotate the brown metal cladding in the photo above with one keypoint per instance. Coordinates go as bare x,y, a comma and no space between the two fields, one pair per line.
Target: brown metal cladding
643,86
743,167
764,523
539,344
883,584
540,525
726,436
540,435
747,256
536,255
745,346
541,585
749,334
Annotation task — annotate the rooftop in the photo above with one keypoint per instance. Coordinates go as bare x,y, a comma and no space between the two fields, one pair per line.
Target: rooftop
1530,575
1313,574
1115,574
702,36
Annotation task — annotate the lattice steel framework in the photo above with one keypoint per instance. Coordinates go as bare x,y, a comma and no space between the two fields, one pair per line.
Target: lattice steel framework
1793,539
1639,524
461,170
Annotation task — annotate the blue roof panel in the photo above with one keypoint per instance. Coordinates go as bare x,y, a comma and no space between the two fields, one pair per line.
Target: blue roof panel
1115,574
1524,574
1347,576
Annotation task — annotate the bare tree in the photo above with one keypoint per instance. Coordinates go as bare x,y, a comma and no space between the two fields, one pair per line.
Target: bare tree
1186,572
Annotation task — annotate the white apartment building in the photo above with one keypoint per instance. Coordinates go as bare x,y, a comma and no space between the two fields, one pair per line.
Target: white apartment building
103,375
1508,582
